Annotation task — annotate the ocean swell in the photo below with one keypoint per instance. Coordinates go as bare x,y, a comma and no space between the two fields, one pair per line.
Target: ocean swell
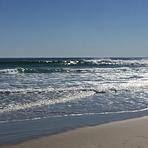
64,65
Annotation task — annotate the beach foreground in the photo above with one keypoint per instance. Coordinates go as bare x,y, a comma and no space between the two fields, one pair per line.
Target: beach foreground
131,133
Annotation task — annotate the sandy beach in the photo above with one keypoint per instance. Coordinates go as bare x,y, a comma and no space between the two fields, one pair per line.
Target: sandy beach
132,133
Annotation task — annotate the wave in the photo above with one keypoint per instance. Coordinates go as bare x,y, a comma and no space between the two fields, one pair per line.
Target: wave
134,82
42,70
28,90
65,65
44,102
75,115
9,71
71,94
75,62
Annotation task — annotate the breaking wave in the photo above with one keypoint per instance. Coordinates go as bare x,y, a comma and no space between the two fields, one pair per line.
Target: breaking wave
64,64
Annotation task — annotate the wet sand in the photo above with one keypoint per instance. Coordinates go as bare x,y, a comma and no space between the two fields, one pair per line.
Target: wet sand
132,133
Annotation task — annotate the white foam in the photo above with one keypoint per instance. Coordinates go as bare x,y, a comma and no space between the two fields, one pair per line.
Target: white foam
44,102
27,90
119,61
72,62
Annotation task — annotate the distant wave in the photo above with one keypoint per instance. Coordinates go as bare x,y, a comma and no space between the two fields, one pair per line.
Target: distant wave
42,70
64,65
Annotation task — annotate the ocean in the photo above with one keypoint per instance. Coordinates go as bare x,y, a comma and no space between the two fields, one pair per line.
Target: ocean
45,89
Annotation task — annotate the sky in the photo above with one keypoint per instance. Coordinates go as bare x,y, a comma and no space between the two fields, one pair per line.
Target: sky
73,28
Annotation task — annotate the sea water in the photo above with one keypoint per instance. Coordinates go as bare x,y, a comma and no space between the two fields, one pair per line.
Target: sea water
36,88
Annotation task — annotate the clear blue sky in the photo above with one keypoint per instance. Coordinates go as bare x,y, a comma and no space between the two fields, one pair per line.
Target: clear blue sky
56,28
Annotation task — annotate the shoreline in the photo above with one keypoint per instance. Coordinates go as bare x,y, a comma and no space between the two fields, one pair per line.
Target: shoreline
17,132
118,134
